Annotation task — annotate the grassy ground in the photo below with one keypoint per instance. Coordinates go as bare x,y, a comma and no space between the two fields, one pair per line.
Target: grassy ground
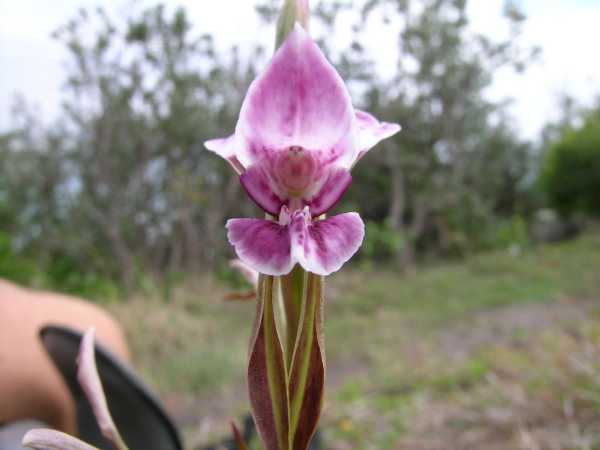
499,352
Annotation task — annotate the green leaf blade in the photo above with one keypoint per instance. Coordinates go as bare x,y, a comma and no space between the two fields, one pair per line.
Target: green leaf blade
267,378
307,373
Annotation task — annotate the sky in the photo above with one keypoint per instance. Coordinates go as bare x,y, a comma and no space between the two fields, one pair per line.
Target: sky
568,32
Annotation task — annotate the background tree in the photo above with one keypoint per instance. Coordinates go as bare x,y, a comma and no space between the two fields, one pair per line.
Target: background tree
121,186
142,97
570,176
458,163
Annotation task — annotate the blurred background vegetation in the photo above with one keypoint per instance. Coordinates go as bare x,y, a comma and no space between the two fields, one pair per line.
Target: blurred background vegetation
460,321
119,194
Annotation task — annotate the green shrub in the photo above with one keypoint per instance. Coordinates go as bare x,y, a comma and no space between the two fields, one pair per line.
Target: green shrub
65,274
12,266
381,242
508,233
570,176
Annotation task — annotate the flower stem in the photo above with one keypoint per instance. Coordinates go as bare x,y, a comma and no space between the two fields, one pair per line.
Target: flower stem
293,286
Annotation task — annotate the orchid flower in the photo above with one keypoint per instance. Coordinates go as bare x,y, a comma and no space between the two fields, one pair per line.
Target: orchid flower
296,139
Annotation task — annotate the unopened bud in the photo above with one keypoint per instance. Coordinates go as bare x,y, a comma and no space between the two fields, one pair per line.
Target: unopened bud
292,11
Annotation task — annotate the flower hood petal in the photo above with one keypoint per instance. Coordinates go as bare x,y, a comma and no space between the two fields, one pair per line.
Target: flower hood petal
328,186
260,187
300,100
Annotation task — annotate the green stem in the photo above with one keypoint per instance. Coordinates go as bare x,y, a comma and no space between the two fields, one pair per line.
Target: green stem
292,291
271,353
307,373
267,376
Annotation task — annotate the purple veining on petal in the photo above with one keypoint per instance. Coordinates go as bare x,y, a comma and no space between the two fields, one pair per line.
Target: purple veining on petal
323,246
300,100
259,186
331,191
261,244
371,131
295,177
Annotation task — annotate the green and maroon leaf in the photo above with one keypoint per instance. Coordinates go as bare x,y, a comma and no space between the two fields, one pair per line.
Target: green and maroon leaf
237,436
307,373
266,373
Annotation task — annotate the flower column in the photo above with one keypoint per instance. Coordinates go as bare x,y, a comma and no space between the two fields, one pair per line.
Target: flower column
296,139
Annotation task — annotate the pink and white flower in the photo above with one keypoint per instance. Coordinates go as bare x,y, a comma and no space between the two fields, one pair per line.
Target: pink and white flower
296,139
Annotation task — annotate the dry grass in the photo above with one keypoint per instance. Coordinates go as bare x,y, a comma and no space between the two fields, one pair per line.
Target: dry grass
500,352
531,389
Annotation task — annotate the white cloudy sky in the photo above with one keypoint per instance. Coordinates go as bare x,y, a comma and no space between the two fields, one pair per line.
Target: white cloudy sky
568,31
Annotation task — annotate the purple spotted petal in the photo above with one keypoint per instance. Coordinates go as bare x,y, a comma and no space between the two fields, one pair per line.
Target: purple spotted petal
323,246
261,189
371,131
337,183
300,100
262,244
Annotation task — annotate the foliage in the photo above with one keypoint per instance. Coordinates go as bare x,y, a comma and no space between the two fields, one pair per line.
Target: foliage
120,188
511,234
381,241
121,185
457,166
571,172
13,266
65,274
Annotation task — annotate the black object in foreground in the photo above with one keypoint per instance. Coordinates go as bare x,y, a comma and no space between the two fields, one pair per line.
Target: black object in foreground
136,411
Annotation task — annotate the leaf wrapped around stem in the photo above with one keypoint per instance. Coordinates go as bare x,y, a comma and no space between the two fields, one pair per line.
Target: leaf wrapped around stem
307,372
267,377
